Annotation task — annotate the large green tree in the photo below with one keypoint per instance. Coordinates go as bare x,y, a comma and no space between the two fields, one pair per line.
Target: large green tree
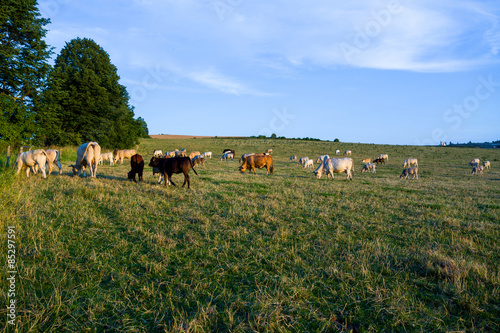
23,68
84,101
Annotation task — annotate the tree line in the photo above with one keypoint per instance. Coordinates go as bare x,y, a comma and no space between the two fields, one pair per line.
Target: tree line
76,100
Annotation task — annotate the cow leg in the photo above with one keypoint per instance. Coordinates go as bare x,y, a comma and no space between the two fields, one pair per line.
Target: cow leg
28,172
186,179
140,176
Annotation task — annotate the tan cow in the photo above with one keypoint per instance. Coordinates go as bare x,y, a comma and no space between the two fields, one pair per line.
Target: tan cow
193,154
31,160
52,158
367,160
87,155
257,161
120,154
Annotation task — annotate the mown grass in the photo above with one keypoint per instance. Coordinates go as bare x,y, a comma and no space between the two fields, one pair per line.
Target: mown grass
243,252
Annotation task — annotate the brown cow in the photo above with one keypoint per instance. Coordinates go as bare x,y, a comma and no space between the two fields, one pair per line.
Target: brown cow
193,154
169,166
379,161
137,164
259,161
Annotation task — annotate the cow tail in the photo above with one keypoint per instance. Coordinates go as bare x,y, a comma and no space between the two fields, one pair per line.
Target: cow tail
272,167
47,158
192,167
86,149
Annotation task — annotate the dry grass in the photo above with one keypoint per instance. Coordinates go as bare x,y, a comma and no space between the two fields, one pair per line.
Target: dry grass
243,252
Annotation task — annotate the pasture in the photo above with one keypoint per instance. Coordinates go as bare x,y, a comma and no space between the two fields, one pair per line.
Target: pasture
256,253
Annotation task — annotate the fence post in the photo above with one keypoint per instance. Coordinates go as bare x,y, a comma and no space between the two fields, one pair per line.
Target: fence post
8,156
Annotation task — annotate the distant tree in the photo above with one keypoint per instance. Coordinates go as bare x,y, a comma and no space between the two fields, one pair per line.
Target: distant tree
23,68
83,100
273,136
336,140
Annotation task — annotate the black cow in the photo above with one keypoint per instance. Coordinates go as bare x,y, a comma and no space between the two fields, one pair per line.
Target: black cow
169,166
137,164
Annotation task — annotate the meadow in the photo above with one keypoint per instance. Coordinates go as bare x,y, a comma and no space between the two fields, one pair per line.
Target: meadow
254,253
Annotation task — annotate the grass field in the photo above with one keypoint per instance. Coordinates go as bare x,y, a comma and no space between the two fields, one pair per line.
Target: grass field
256,253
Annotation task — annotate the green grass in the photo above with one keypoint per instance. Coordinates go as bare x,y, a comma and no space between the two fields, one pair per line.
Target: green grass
244,252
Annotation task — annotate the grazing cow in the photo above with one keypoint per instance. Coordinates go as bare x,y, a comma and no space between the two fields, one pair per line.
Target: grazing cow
106,156
348,152
309,164
257,161
409,161
293,158
385,157
137,165
245,156
477,170
157,153
207,154
120,154
335,165
229,151
366,160
193,154
337,152
53,158
32,159
322,158
169,166
486,164
303,160
198,159
369,167
474,162
169,154
379,161
226,156
269,151
87,155
409,171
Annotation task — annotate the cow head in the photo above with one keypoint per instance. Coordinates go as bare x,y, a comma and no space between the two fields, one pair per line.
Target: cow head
242,168
75,170
154,162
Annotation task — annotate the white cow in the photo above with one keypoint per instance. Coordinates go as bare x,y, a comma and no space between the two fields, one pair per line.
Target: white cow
245,156
409,171
33,159
303,160
486,164
108,157
207,154
335,165
87,155
52,158
348,152
337,152
227,156
474,162
383,157
322,158
409,161
157,153
309,164
369,167
477,170
293,158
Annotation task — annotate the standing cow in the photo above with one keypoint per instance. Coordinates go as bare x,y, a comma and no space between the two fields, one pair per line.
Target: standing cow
32,160
137,165
87,155
169,166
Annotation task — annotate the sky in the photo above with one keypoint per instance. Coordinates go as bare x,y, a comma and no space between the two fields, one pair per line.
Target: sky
386,72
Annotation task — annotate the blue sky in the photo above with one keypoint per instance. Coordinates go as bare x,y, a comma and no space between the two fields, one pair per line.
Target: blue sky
385,72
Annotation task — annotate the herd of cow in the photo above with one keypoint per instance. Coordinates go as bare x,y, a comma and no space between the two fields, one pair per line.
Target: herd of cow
177,161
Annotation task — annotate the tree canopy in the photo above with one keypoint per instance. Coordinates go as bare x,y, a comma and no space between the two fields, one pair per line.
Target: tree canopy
78,99
83,100
23,67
